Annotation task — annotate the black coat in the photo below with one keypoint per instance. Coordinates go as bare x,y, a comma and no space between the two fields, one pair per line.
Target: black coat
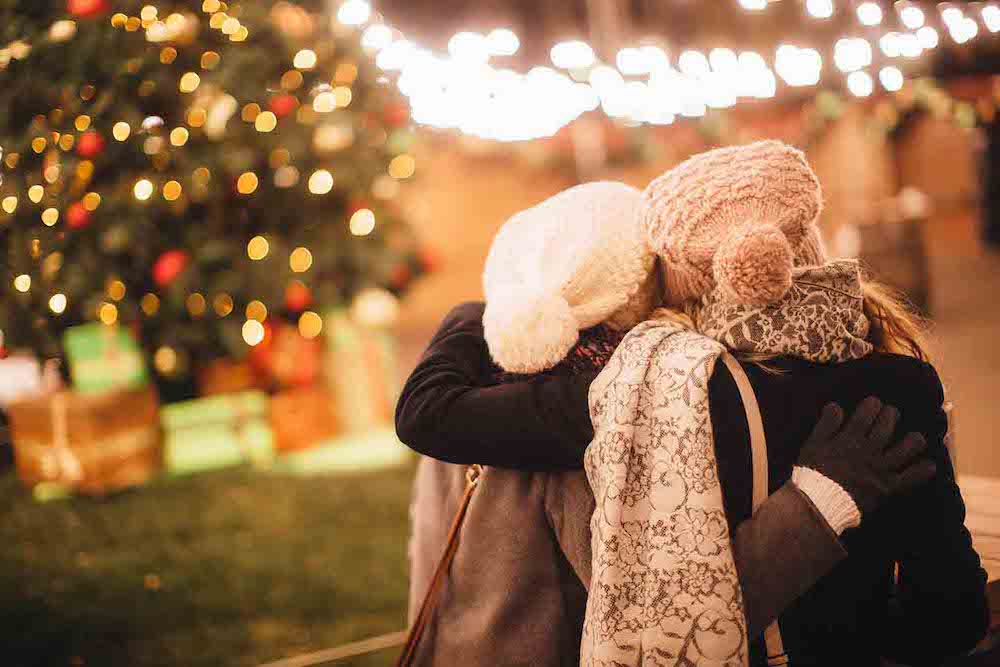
853,616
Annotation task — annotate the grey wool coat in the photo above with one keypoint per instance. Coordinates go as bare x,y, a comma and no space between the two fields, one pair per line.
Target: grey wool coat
516,593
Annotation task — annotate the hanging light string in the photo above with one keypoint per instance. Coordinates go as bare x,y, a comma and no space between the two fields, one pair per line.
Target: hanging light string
464,90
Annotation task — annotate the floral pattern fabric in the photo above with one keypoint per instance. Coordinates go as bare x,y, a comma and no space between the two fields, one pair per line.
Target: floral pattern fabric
664,589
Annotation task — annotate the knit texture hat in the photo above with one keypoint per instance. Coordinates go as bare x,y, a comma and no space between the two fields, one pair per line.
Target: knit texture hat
736,218
573,261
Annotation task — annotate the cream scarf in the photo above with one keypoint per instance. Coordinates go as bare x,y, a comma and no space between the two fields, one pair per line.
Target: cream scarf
664,589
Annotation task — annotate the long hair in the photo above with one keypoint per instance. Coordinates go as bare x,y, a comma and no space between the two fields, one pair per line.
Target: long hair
894,326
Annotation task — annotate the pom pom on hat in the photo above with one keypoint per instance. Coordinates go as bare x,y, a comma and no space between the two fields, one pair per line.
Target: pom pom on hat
529,333
753,265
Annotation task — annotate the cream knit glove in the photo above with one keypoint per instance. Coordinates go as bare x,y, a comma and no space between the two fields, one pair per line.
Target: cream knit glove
835,504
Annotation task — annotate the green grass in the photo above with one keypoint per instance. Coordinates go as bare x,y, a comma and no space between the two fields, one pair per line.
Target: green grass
251,567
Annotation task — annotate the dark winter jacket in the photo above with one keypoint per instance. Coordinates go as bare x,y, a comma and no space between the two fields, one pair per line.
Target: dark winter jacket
855,613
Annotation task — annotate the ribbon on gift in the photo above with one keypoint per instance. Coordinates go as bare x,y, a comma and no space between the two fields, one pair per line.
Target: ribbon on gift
61,463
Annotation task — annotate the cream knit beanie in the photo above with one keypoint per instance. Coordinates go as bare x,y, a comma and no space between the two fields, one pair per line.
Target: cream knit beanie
735,218
573,261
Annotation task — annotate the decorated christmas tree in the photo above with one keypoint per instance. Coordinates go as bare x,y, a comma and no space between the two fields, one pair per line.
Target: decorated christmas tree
194,170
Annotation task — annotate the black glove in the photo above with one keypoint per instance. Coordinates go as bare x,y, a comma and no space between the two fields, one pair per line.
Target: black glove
856,456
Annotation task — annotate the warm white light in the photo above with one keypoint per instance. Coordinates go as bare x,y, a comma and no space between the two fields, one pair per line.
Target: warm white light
502,42
722,60
376,37
889,43
860,84
605,79
991,17
820,9
798,67
253,332
891,78
869,13
909,45
469,47
964,30
952,15
693,63
912,17
572,55
850,54
927,37
753,5
57,303
354,12
632,61
394,56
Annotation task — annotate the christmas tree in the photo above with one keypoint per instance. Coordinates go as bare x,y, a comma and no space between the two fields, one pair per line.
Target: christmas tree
194,170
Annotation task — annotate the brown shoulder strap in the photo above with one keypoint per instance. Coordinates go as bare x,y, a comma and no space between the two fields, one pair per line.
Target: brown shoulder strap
758,453
472,476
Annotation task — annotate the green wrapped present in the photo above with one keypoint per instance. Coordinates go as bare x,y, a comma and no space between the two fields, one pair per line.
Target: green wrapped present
103,358
217,432
359,452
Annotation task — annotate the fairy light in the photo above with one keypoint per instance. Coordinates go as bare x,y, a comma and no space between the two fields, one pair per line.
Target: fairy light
253,332
247,183
310,324
860,84
869,13
502,42
753,5
377,37
265,121
150,304
50,216
143,189
9,204
402,166
172,190
189,82
991,17
300,259
320,182
891,78
256,310
850,54
257,248
798,66
22,283
820,9
179,136
222,304
304,59
35,193
57,303
362,222
108,313
354,12
927,37
911,16
572,55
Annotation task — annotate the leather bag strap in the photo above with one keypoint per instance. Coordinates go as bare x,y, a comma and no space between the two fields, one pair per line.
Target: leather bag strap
472,477
758,450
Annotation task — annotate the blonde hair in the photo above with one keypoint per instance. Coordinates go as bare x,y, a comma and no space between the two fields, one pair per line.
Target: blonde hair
894,326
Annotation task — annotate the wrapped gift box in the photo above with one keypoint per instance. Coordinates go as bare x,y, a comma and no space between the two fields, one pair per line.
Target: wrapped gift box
91,443
103,358
302,418
217,432
361,370
226,376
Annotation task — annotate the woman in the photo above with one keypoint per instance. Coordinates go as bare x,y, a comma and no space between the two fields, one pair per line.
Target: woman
540,424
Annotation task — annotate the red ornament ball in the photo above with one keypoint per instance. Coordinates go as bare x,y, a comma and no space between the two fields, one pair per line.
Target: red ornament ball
90,145
77,217
282,105
297,297
168,266
396,115
87,8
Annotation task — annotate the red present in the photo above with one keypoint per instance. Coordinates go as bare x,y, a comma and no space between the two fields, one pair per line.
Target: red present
302,418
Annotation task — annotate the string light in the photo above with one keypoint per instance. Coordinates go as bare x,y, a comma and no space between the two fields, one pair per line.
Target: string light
9,204
22,283
150,304
753,5
377,37
300,259
798,66
265,122
362,222
869,13
321,182
911,16
258,248
247,183
891,78
860,84
256,310
354,12
50,216
57,303
927,37
991,17
116,290
35,193
189,82
402,166
502,42
108,313
304,59
253,332
572,55
143,189
820,9
223,304
850,54
310,324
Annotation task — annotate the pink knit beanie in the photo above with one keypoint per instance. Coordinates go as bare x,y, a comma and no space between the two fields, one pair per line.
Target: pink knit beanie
736,218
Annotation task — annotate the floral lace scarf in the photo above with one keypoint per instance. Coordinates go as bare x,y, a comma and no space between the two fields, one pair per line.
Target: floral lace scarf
664,589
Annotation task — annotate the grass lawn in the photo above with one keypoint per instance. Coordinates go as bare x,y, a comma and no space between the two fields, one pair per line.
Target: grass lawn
227,568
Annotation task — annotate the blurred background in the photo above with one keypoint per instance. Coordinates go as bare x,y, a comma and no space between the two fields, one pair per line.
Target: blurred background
229,230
